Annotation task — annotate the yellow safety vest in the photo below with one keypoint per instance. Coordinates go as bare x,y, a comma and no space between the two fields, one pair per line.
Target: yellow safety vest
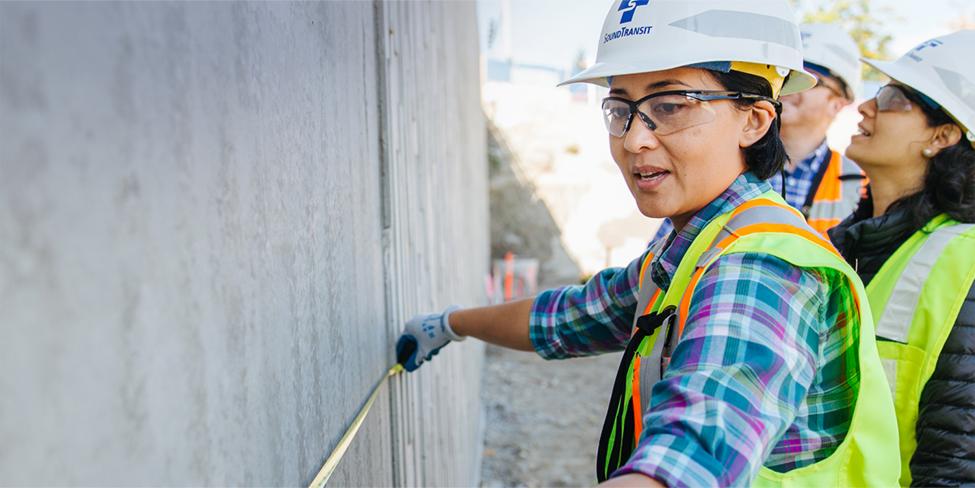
916,296
868,453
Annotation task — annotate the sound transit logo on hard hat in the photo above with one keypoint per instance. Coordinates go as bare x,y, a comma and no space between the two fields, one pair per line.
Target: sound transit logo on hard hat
628,7
924,45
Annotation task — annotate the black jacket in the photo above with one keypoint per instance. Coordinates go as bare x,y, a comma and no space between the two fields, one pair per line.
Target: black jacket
945,454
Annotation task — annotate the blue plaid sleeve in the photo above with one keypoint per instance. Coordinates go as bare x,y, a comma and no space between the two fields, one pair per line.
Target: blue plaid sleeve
739,375
588,319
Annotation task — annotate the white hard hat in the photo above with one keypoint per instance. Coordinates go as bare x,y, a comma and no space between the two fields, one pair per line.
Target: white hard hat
941,69
830,46
641,36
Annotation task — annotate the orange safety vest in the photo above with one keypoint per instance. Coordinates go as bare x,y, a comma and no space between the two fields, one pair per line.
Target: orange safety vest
841,186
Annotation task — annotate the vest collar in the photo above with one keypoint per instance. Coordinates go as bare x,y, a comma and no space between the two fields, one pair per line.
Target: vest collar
862,238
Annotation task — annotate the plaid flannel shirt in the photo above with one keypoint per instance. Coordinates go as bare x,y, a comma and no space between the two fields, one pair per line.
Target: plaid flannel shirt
764,374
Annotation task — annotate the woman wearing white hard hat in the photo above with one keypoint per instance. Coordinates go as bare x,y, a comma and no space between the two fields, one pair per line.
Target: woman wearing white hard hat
913,241
749,350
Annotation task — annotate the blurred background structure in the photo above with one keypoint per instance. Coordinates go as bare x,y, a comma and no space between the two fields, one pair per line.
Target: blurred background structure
553,139
217,216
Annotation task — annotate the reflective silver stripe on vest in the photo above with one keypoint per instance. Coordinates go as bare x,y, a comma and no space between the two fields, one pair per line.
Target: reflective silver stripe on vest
890,369
850,191
850,168
895,323
648,375
849,196
650,365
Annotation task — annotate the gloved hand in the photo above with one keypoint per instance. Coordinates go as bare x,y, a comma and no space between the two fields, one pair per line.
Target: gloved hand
424,337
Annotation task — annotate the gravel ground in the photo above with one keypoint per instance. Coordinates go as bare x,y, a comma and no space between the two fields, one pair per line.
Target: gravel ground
543,418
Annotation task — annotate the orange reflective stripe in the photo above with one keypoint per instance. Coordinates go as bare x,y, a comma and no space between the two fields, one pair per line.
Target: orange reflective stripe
829,186
635,395
786,228
653,300
643,267
685,301
643,270
647,310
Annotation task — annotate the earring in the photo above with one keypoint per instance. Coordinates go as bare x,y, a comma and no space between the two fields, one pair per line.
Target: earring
928,152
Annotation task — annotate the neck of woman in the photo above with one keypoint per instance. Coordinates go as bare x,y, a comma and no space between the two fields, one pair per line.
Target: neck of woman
891,183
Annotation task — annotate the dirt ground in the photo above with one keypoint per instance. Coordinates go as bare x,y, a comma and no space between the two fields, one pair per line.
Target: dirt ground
543,418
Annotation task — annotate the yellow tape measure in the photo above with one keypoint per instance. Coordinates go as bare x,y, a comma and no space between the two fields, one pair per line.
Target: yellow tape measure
333,459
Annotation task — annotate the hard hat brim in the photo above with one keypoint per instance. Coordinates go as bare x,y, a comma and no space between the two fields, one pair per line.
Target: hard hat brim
597,74
917,81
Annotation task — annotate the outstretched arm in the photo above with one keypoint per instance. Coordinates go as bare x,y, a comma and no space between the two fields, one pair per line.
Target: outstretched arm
560,323
505,325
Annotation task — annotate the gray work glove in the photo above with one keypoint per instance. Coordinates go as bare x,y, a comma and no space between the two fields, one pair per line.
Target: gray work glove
423,337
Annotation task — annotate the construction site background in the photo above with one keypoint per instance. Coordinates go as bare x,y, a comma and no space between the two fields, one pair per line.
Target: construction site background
572,212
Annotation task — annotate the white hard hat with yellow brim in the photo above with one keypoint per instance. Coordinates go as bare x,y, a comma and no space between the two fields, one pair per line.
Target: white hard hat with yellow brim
758,37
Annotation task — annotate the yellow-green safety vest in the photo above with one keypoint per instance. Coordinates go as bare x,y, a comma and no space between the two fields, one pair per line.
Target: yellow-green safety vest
767,225
916,296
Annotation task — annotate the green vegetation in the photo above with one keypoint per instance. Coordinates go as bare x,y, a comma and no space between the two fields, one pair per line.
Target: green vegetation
865,24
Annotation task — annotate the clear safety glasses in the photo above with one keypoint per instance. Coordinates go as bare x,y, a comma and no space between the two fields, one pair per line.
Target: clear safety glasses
892,98
669,111
821,82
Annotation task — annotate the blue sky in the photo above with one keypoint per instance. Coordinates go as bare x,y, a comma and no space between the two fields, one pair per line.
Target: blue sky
551,32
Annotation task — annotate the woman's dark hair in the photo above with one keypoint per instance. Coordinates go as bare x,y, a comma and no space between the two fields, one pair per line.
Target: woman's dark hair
949,184
766,157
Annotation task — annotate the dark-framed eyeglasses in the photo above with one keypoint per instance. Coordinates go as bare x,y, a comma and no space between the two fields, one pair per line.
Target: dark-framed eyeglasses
669,111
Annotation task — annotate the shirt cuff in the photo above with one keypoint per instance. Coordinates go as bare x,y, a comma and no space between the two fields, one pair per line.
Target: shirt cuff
673,461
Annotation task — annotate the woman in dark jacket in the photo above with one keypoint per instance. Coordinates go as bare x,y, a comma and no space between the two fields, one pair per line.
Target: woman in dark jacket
913,243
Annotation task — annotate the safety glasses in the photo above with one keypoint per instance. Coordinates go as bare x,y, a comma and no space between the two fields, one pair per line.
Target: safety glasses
669,111
821,82
892,98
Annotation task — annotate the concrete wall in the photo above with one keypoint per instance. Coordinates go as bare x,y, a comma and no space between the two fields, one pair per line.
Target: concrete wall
215,217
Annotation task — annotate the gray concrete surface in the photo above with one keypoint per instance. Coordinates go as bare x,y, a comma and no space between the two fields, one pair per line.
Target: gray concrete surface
214,218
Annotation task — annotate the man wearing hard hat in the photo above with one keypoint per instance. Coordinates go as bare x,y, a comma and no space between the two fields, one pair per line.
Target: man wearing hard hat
818,180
